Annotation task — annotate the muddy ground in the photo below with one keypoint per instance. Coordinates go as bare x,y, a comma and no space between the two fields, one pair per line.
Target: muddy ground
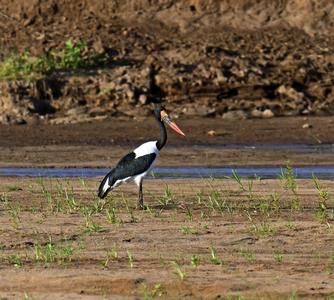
262,241
208,142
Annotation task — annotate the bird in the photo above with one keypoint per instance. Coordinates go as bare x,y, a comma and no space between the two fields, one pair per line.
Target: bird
134,166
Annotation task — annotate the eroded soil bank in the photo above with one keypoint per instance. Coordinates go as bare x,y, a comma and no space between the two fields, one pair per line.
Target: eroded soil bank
234,59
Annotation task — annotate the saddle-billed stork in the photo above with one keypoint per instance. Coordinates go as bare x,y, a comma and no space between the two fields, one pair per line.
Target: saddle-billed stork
134,166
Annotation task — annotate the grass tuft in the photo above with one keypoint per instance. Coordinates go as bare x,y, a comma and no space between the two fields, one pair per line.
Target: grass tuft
73,56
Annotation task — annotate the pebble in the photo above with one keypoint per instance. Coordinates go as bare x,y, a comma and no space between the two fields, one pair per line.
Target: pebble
307,125
267,113
256,113
212,133
235,114
142,99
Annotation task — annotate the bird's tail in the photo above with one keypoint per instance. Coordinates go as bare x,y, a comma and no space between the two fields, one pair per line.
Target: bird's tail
105,186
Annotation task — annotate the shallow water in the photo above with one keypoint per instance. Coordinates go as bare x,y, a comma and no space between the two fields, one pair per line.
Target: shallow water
177,173
320,148
198,172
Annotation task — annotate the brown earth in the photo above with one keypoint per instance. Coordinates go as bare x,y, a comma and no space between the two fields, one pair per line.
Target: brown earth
231,59
282,249
207,143
223,69
259,246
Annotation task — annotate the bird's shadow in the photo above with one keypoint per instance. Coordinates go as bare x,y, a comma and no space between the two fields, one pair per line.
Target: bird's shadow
167,206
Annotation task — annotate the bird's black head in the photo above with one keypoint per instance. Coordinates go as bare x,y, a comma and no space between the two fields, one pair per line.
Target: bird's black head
158,110
161,115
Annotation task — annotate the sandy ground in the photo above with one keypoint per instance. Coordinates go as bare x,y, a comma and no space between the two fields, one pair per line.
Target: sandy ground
261,240
263,244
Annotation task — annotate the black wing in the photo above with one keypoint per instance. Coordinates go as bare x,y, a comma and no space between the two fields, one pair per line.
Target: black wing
128,166
131,166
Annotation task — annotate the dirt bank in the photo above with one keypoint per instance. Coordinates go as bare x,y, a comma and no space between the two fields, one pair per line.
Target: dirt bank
239,59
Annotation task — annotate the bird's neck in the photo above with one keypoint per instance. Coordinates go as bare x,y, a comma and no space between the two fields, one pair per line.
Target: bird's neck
163,137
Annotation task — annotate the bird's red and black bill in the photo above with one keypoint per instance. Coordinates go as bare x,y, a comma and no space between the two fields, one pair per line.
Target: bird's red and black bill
169,121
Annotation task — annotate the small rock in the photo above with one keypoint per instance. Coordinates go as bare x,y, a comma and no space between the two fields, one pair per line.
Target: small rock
202,111
76,111
150,60
130,94
142,99
212,133
220,77
281,89
159,79
256,113
235,114
28,22
267,113
96,111
41,37
138,113
145,72
98,46
307,125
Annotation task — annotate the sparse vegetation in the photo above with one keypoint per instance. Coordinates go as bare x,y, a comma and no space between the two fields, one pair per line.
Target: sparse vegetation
50,252
181,274
277,256
288,181
97,232
213,258
247,254
130,258
73,56
15,260
322,203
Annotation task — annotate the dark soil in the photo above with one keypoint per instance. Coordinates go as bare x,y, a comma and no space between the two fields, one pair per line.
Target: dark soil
207,142
239,59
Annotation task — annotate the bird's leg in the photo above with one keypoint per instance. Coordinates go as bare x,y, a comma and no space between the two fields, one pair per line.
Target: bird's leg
141,202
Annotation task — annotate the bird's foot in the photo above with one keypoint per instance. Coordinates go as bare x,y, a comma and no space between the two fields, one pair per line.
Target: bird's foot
182,206
141,206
